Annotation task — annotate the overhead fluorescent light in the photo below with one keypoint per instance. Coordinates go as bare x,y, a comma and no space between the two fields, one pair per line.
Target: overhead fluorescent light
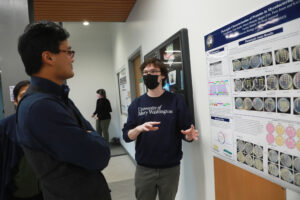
86,23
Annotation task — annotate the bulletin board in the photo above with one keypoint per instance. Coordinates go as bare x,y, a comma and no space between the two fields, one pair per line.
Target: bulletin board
124,92
254,92
174,52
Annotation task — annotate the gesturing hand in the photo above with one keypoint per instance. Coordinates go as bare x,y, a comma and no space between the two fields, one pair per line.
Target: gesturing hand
191,133
148,126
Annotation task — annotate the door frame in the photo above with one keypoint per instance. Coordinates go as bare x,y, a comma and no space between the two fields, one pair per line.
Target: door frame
131,58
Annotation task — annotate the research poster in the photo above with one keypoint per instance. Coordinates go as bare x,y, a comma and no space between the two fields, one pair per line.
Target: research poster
11,93
254,92
124,91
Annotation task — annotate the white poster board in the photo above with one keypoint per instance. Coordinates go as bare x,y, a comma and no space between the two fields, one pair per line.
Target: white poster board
11,92
124,91
254,92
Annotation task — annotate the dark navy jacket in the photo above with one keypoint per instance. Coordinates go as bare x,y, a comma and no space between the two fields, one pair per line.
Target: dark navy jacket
161,148
67,159
16,176
10,155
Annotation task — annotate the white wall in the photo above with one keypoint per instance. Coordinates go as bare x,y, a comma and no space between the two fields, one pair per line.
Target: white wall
149,24
93,69
13,19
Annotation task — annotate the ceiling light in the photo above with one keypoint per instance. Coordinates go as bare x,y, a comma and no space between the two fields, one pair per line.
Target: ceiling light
86,23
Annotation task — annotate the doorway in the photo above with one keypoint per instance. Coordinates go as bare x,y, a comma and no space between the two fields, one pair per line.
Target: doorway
139,84
136,81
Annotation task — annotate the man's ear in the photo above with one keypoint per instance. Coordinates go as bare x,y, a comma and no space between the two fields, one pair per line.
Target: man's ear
15,103
47,57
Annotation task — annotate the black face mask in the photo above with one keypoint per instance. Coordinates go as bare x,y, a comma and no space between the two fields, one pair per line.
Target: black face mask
151,81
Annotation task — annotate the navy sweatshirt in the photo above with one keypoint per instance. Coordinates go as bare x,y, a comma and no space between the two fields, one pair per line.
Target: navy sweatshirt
54,137
161,148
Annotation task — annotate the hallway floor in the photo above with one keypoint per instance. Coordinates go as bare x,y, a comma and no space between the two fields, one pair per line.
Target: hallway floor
120,177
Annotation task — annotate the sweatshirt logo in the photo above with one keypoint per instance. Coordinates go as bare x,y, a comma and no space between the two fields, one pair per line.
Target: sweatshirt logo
153,110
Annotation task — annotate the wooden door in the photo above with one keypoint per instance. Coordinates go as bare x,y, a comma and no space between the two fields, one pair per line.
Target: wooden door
234,183
137,76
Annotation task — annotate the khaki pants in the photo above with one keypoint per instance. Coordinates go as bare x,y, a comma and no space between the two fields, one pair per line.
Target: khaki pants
102,128
149,182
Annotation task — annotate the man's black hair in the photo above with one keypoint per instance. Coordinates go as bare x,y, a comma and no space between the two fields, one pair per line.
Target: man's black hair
18,87
37,38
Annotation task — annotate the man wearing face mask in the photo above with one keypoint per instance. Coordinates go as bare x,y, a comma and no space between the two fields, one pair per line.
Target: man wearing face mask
158,121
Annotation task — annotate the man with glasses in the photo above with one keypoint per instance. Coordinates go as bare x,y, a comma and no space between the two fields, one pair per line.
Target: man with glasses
55,137
158,121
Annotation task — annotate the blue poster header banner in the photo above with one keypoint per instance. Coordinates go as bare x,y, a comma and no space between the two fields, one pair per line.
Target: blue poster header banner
220,119
261,36
217,51
272,15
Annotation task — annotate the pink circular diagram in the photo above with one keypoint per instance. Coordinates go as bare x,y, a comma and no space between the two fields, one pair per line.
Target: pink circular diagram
290,143
270,128
270,138
290,131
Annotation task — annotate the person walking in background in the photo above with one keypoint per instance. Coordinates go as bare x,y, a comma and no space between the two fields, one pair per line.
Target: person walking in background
158,121
102,114
58,142
17,179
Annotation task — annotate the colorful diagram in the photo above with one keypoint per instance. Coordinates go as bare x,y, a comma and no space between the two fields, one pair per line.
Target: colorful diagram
283,136
219,104
218,88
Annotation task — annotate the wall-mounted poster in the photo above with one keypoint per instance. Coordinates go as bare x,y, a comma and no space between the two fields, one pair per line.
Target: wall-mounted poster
172,77
11,93
124,92
254,94
174,52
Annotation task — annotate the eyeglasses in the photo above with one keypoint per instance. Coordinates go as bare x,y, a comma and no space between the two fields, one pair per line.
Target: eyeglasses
150,72
69,52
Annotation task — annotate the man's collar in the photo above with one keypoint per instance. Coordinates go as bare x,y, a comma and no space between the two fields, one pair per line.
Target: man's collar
50,87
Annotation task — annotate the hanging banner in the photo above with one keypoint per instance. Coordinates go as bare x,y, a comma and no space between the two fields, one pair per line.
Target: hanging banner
254,92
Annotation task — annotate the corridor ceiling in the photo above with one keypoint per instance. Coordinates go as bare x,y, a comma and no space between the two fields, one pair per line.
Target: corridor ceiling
82,10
